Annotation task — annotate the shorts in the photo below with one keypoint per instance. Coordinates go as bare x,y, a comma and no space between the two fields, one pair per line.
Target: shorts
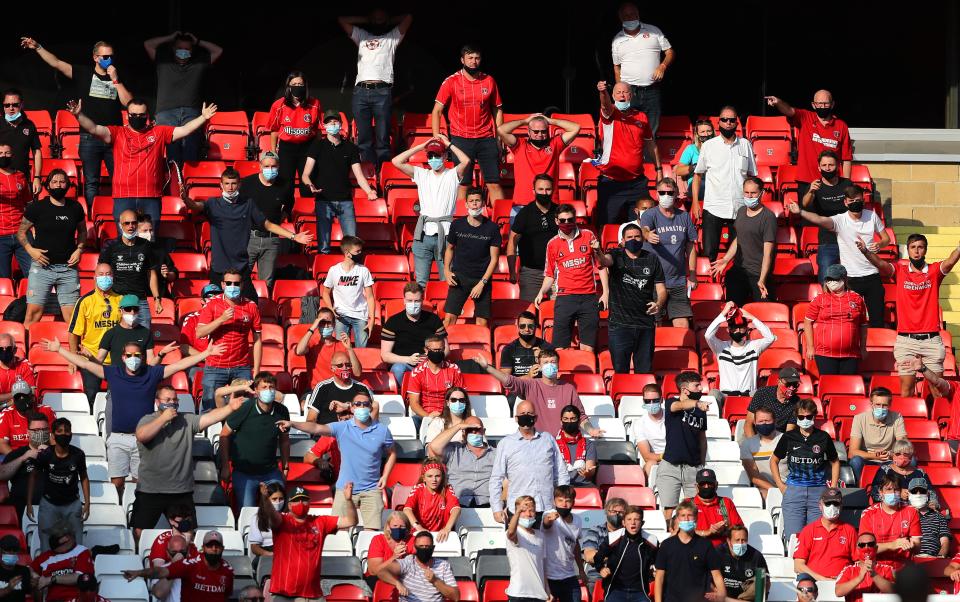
930,350
457,296
678,303
42,279
369,505
672,478
149,507
581,309
484,151
530,280
123,457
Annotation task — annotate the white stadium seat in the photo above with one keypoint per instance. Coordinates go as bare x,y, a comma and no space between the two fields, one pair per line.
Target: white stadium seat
391,405
67,403
401,427
490,406
116,589
108,536
723,450
498,428
115,564
216,517
486,540
631,406
232,541
598,405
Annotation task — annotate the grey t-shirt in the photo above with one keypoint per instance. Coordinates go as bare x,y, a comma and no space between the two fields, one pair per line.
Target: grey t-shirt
166,461
752,232
179,85
675,232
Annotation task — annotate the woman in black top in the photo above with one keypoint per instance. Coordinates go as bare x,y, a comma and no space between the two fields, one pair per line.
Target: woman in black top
626,565
62,467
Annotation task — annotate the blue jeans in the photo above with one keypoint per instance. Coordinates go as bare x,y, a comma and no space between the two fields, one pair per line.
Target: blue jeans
326,211
647,99
620,595
827,255
10,247
92,151
565,590
214,378
801,506
424,252
246,486
188,148
143,316
399,370
148,205
631,342
357,325
371,110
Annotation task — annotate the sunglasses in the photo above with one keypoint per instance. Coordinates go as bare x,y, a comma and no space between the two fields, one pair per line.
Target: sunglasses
791,384
544,132
7,348
866,544
130,310
457,398
132,355
526,326
728,120
362,404
903,454
832,504
133,223
566,220
11,105
806,416
238,283
807,590
475,430
664,192
341,365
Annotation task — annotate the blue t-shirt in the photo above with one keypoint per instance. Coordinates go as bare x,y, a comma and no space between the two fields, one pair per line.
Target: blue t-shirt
362,450
690,156
230,225
675,232
131,396
683,430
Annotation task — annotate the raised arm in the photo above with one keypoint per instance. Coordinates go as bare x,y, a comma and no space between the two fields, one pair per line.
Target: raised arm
887,269
77,360
215,50
505,131
86,123
570,129
267,510
946,266
818,220
206,113
438,446
208,419
606,105
401,161
462,159
152,44
492,371
192,360
311,428
48,57
780,105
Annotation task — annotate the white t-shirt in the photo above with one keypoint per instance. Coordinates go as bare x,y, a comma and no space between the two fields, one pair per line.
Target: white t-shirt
560,541
438,195
654,432
639,55
726,167
623,226
848,230
348,289
526,558
262,539
760,451
375,57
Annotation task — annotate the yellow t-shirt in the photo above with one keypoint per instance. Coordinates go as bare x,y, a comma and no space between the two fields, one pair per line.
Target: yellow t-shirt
95,314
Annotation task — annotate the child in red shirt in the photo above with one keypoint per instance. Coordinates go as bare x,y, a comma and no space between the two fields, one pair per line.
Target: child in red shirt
432,505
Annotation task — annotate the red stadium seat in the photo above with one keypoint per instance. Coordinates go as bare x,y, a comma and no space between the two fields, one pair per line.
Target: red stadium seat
634,496
922,429
909,407
576,360
380,382
587,383
203,172
735,407
481,384
771,152
389,267
322,264
629,384
47,330
404,473
44,125
846,406
881,339
773,359
191,265
468,591
345,592
495,590
228,136
774,315
786,242
933,452
589,498
57,381
840,384
184,234
789,269
944,476
669,361
468,336
609,475
669,337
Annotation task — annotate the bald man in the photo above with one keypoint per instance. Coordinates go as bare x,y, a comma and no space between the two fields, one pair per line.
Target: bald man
469,461
171,549
134,272
627,139
332,397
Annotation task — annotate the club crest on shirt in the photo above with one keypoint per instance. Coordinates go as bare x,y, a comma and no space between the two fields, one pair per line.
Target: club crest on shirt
26,131
286,119
372,44
816,449
151,139
836,133
484,90
904,524
583,248
306,117
646,271
646,35
843,540
748,573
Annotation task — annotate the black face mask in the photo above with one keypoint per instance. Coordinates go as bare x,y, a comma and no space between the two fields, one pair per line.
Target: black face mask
570,428
543,200
765,429
298,91
526,420
824,112
213,559
704,138
5,162
634,245
828,175
564,512
527,337
6,355
471,71
23,403
694,395
138,122
614,520
916,263
728,133
62,440
57,194
738,336
436,356
856,206
186,525
707,493
424,555
539,143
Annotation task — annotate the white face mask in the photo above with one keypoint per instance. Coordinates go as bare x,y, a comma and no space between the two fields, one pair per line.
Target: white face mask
147,236
666,201
831,512
475,212
834,286
919,500
129,318
277,505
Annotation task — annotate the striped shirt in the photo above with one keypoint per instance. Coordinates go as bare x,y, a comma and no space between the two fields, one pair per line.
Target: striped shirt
95,314
74,561
139,157
298,554
837,320
738,364
934,526
420,590
471,104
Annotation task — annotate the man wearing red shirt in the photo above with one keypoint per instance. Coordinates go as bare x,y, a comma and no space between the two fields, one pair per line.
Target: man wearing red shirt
895,525
538,153
819,130
918,306
230,319
15,193
473,105
827,544
206,577
14,422
140,167
866,576
715,513
627,137
190,343
12,369
430,380
298,543
58,568
320,343
573,259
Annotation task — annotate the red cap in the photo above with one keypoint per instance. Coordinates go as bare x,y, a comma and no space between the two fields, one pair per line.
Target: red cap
435,147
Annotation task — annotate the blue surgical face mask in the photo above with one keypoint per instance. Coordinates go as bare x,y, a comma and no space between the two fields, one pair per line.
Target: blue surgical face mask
622,105
9,559
687,525
435,163
267,395
104,283
412,307
231,292
457,408
751,203
805,424
332,128
326,331
880,413
549,370
652,408
183,54
11,118
475,439
527,523
362,414
739,549
129,235
104,63
891,499
270,173
631,24
132,363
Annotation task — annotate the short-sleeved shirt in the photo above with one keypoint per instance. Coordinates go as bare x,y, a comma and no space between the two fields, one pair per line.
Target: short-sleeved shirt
411,576
934,526
297,125
827,551
375,55
117,338
253,444
918,297
526,560
328,446
560,542
13,425
710,513
166,461
752,232
470,103
438,196
132,265
230,225
432,509
179,84
624,134
188,332
95,314
815,137
15,193
49,564
756,449
726,167
472,244
519,358
134,395
687,567
432,386
783,412
55,227
469,474
19,592
364,446
100,98
20,369
200,583
62,476
737,570
878,436
140,167
547,399
328,391
23,139
837,322
903,480
348,290
158,551
572,263
683,434
234,334
807,457
530,161
848,230
827,202
272,201
18,482
851,572
654,432
632,284
298,554
319,356
409,335
675,233
638,54
331,172
536,229
690,156
903,523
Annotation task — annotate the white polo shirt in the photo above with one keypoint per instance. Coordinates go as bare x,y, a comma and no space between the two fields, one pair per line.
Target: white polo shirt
375,57
848,231
438,195
726,167
639,55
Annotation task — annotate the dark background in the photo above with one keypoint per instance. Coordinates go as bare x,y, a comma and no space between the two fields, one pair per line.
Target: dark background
884,62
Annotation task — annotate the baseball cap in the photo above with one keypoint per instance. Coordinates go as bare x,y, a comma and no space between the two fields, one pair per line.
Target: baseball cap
706,476
918,484
129,301
213,536
789,374
21,387
737,320
299,493
9,543
435,147
835,272
87,582
211,289
806,577
831,494
331,114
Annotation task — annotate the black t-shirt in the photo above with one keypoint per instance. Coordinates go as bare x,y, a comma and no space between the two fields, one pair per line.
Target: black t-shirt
327,391
783,413
535,228
160,257
520,358
273,201
408,336
331,172
828,201
471,246
101,101
230,225
19,593
179,85
23,139
132,265
632,287
807,457
18,483
115,339
55,227
687,567
62,476
683,429
737,570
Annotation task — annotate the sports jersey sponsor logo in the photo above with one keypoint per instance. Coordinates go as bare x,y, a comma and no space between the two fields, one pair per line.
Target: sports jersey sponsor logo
828,142
917,286
296,131
575,262
843,540
349,280
104,324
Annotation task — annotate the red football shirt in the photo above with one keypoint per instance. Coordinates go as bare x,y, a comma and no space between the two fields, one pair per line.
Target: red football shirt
432,509
21,369
918,297
188,332
158,551
852,571
297,555
14,196
432,387
200,583
297,125
379,548
953,428
570,261
815,137
234,334
471,104
49,563
530,161
623,135
709,514
827,551
319,356
956,585
328,445
905,522
13,425
836,323
140,167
